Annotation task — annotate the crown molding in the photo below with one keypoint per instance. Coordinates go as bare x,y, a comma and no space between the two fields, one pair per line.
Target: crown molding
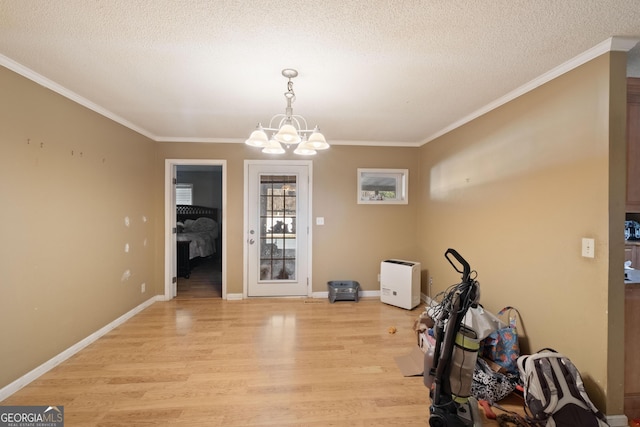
611,44
61,90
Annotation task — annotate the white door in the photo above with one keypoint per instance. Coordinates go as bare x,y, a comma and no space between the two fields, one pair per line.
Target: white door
171,220
277,228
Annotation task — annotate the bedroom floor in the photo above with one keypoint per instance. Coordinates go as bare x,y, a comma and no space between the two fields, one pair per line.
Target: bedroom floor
205,280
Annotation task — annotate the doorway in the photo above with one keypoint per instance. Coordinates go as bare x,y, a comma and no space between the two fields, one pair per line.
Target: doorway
277,219
195,236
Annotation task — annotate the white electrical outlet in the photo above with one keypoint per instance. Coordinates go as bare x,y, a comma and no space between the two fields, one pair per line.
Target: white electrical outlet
320,220
588,247
142,288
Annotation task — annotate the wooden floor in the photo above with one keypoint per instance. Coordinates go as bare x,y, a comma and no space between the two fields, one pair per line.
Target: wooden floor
205,280
259,362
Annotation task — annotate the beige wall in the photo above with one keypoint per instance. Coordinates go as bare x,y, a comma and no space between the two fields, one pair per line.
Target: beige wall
68,179
354,239
515,191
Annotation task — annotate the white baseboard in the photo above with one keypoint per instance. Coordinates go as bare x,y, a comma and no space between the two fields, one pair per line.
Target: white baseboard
427,300
61,357
320,295
617,420
366,294
325,294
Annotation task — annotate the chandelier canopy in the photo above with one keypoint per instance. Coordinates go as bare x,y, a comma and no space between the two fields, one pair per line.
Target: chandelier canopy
288,129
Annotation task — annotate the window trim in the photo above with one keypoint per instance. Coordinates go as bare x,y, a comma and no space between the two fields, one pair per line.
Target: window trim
400,184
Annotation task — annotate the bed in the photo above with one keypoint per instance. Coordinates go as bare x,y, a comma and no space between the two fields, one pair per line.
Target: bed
197,235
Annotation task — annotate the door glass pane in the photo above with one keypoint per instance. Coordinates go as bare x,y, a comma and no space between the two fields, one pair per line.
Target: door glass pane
278,210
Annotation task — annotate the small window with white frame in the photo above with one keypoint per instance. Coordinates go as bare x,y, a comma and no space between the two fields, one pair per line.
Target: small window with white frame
383,186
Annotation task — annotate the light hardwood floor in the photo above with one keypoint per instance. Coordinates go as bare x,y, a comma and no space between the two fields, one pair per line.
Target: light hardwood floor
205,280
259,362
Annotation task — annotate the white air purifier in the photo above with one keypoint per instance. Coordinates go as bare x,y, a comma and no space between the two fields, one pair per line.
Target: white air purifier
400,283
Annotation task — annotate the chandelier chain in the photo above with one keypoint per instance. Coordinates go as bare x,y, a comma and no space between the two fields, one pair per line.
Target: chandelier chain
290,89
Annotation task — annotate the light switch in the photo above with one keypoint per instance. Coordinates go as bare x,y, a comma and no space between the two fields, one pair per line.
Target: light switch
320,220
588,247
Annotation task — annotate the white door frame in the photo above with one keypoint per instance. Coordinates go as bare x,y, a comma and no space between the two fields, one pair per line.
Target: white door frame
170,267
245,247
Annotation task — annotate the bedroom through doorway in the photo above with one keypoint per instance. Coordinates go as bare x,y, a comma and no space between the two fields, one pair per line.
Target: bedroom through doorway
194,253
198,209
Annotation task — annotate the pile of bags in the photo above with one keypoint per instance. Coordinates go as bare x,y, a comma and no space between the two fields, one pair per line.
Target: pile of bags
552,387
496,373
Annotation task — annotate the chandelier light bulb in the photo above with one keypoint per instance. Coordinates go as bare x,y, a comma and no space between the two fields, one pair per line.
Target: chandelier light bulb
304,149
317,141
288,134
273,147
258,138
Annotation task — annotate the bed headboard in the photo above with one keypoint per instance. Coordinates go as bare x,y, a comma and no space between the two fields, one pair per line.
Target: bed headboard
184,212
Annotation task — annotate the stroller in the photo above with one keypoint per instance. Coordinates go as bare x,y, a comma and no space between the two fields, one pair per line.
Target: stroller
449,370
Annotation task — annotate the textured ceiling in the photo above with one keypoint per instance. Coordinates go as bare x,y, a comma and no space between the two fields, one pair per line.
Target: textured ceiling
371,72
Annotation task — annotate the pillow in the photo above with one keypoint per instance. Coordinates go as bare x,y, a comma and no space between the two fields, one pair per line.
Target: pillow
203,224
188,223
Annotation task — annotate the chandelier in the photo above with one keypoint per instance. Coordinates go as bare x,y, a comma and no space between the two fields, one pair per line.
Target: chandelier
288,130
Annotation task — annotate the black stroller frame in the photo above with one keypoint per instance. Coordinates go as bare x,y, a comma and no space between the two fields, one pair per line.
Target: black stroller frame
455,353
